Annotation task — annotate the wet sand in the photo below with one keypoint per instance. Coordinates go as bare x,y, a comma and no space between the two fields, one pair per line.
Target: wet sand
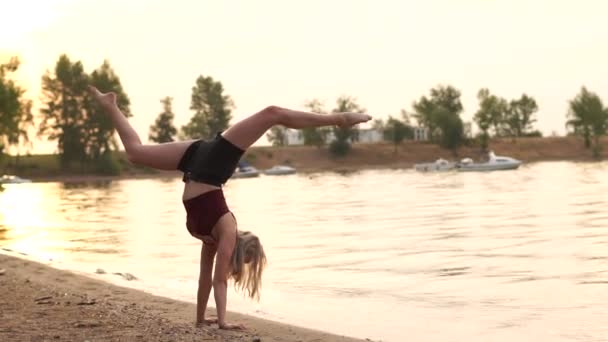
40,303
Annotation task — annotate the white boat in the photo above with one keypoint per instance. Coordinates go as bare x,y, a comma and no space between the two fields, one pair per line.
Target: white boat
12,179
246,172
494,163
439,165
280,170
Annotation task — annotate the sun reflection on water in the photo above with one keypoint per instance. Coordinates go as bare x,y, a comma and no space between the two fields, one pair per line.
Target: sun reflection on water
27,216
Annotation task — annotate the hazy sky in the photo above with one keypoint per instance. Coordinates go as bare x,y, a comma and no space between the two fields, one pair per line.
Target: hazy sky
385,53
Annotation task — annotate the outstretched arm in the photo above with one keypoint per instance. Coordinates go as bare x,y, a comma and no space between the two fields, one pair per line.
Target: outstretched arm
220,279
204,284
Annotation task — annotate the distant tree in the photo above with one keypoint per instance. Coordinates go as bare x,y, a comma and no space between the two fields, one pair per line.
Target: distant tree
15,111
468,130
344,135
535,133
64,110
84,133
163,129
452,129
314,135
425,113
514,118
491,113
483,117
440,114
588,117
212,109
396,131
277,135
405,117
520,115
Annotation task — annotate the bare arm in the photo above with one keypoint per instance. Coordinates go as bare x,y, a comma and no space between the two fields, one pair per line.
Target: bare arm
204,283
220,279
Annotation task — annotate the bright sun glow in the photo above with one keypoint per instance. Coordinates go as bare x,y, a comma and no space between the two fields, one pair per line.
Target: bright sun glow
24,212
18,207
22,18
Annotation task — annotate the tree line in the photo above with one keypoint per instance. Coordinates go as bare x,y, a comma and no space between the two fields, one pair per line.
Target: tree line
85,135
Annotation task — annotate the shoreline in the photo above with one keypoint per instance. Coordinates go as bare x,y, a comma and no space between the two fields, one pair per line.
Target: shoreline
40,302
310,159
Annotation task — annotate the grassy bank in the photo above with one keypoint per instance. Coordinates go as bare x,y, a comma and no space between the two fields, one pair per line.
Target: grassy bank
48,167
313,159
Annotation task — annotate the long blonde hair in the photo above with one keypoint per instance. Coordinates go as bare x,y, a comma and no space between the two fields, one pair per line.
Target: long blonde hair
248,262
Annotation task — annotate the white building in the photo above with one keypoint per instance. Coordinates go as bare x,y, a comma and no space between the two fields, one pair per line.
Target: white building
293,137
421,133
365,135
369,135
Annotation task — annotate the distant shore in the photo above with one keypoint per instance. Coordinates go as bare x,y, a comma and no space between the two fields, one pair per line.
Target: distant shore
405,155
308,159
40,303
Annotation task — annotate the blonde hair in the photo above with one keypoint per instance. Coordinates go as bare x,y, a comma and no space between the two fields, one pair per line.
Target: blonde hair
248,262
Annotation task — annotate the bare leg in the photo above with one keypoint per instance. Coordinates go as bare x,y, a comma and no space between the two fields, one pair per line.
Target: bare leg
246,132
161,156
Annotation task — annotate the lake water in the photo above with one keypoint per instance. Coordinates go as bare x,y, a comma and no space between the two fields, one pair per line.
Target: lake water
385,254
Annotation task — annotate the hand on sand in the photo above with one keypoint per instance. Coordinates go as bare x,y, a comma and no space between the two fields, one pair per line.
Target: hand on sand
105,100
228,326
351,119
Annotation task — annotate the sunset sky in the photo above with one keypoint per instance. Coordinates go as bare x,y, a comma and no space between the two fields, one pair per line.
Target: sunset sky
385,53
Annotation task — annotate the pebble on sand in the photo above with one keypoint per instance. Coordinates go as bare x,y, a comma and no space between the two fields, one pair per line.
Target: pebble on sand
90,324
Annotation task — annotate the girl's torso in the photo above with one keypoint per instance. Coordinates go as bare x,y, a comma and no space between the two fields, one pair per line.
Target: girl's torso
193,189
209,214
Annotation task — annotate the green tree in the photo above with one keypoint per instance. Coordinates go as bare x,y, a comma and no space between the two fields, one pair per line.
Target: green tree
314,135
520,115
64,110
588,117
405,117
491,113
277,135
163,129
396,131
344,135
452,129
440,113
425,113
212,109
15,111
84,133
98,127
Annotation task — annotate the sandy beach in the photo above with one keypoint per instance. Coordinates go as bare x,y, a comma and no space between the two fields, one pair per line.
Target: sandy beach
40,303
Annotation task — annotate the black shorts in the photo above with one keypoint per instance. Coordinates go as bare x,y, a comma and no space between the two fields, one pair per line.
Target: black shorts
211,162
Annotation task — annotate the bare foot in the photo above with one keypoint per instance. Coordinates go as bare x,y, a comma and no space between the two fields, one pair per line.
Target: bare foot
105,100
351,119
